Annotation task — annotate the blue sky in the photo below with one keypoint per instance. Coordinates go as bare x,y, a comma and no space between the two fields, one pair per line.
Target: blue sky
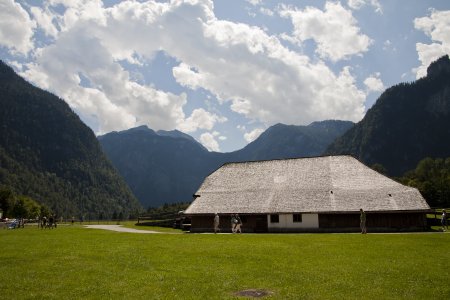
222,71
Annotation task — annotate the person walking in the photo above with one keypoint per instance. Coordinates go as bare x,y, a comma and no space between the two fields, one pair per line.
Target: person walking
51,220
44,222
362,218
237,228
444,220
216,223
233,223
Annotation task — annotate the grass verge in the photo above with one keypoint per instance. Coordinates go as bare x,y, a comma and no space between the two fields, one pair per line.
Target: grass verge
79,263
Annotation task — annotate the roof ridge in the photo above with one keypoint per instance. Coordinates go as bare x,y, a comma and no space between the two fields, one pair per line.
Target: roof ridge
289,158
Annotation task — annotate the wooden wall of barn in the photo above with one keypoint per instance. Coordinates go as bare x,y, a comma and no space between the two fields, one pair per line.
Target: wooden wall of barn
376,222
250,223
336,222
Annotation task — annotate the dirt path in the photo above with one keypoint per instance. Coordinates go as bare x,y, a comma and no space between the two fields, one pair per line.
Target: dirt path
119,228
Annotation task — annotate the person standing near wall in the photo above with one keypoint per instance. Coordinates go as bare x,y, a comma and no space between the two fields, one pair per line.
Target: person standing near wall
237,228
216,223
444,220
362,218
233,223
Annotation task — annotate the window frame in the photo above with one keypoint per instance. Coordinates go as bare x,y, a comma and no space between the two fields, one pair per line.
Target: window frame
274,218
299,216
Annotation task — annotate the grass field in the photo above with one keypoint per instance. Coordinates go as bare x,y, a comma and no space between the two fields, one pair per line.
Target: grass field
72,262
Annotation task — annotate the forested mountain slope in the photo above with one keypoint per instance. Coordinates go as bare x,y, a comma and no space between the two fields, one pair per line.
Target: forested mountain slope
49,154
409,122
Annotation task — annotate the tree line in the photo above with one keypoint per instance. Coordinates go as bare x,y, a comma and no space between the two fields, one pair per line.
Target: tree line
166,211
20,206
432,178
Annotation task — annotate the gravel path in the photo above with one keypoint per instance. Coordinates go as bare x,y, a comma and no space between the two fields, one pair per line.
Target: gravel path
119,228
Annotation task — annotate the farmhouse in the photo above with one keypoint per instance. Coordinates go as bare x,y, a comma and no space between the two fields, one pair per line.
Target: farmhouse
319,194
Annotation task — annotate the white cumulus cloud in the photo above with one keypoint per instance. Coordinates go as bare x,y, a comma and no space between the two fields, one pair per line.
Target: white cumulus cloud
200,119
187,76
45,20
437,27
266,11
374,83
16,27
254,2
263,80
241,65
209,141
358,4
117,101
334,30
253,135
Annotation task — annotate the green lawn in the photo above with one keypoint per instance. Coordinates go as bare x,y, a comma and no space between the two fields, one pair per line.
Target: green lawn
72,262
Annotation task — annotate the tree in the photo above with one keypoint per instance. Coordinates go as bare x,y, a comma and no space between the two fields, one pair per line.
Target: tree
19,209
45,211
432,178
379,168
6,200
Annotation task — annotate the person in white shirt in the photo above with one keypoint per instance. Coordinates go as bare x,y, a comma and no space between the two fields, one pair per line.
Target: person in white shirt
216,223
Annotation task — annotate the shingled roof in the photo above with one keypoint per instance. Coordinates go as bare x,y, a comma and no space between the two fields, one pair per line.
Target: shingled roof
302,185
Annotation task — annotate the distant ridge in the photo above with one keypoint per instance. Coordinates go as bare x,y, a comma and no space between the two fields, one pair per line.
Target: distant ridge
168,166
175,134
291,141
159,168
147,130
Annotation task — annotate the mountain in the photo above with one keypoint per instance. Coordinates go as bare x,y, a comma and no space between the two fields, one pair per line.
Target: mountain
49,154
168,166
289,141
160,167
409,122
176,134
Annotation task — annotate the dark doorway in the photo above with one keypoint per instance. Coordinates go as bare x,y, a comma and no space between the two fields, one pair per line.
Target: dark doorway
261,223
